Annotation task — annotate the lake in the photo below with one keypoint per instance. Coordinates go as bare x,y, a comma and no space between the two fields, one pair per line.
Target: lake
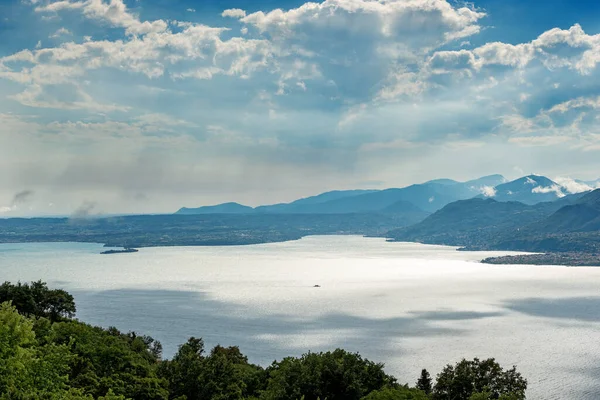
409,305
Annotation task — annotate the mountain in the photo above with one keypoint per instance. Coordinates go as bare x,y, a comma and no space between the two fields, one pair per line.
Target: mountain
332,195
593,184
573,228
443,181
298,205
490,180
469,189
473,223
530,190
403,206
427,197
423,198
581,216
225,208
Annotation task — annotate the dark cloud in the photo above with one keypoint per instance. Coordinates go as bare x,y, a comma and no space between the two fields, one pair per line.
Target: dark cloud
84,210
22,197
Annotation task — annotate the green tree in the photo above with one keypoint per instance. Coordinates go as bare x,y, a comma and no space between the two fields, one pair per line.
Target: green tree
424,382
184,370
228,375
29,371
332,376
106,359
396,393
36,300
489,396
466,378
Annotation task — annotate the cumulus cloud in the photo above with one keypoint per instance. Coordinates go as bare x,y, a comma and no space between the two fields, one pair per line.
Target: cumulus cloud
115,13
573,185
582,55
556,189
234,13
60,32
331,88
488,191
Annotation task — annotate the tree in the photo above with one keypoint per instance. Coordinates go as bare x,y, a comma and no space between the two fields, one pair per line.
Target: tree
184,370
424,382
29,371
333,376
105,360
466,378
36,300
488,396
397,393
58,304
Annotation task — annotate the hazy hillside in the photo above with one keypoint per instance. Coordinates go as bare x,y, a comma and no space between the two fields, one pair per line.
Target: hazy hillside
425,198
225,208
297,205
473,222
530,189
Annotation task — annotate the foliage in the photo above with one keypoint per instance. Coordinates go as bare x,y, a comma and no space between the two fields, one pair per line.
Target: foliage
332,375
424,382
26,370
466,378
108,359
397,393
36,300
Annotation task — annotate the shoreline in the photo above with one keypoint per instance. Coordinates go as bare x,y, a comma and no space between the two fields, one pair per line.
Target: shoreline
549,259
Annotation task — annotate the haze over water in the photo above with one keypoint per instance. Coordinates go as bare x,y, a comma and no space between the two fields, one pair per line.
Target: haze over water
411,306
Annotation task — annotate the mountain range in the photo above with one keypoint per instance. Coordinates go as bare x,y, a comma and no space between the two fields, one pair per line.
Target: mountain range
532,213
421,198
480,223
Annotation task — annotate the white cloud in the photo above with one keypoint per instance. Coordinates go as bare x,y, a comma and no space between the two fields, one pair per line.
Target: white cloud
488,191
115,12
583,57
337,87
573,186
556,189
234,13
533,141
61,32
192,10
580,102
5,209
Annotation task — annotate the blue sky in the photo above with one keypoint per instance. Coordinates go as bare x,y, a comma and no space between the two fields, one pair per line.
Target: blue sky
149,105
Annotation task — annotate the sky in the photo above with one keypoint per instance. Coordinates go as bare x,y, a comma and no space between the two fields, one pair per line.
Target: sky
113,106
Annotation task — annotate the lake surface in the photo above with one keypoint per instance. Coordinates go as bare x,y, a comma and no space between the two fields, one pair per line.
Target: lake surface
411,306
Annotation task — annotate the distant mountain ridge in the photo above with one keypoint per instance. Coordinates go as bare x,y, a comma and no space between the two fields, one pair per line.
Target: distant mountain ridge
225,208
532,213
425,198
530,190
477,222
569,223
